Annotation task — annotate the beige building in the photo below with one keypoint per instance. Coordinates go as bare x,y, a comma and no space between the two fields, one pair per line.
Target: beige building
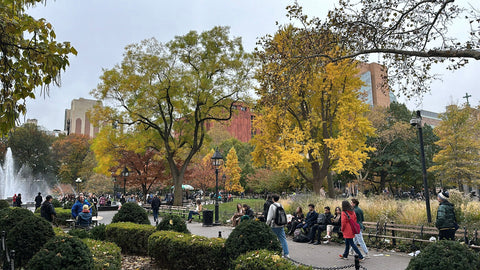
77,120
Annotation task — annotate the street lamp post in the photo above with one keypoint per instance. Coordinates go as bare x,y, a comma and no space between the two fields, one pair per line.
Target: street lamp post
78,181
217,161
417,122
125,175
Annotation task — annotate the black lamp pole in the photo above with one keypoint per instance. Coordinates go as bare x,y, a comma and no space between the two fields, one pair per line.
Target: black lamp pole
217,160
418,123
125,175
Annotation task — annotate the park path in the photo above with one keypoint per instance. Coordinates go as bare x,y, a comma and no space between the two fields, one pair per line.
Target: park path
318,256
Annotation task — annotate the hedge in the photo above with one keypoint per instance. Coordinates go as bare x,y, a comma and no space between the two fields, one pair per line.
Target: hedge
132,238
264,260
175,250
106,255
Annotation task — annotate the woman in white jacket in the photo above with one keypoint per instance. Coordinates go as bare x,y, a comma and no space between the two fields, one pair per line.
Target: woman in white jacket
277,229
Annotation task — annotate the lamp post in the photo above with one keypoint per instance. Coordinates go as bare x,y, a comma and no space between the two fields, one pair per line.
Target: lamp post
417,122
217,161
78,181
114,188
125,175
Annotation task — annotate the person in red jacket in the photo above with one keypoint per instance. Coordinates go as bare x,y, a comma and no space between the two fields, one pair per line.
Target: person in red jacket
348,235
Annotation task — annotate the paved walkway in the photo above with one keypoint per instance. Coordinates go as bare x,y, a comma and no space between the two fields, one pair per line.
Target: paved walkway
318,256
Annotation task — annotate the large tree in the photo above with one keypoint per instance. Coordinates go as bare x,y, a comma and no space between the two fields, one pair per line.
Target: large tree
29,58
232,172
311,115
458,161
410,35
176,88
69,153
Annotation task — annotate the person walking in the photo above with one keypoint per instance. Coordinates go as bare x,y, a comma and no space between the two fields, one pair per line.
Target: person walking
47,210
38,200
18,202
266,207
348,235
358,239
277,229
155,207
446,221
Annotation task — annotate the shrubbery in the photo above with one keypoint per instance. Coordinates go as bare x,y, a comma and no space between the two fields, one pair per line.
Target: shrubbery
4,204
251,235
56,203
80,233
264,260
445,255
106,255
130,237
172,223
62,253
131,212
9,217
27,237
98,232
174,250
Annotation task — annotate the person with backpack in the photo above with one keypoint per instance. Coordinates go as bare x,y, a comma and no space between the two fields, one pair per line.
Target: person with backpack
348,231
277,219
322,221
446,222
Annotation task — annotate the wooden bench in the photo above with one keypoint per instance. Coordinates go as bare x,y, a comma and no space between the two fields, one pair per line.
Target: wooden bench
414,233
178,210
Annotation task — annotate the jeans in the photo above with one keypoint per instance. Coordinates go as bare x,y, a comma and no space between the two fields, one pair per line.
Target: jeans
446,234
191,213
155,214
348,243
280,232
317,227
359,240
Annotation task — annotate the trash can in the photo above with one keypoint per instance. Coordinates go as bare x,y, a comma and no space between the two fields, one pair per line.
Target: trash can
207,218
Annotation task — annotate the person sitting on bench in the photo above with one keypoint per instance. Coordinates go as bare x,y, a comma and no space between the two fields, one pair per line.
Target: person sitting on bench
322,221
335,225
84,219
197,211
310,220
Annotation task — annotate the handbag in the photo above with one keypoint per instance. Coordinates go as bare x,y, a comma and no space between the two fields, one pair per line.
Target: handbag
355,226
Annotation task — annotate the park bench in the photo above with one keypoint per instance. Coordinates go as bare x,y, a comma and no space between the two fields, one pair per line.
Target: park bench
376,231
178,210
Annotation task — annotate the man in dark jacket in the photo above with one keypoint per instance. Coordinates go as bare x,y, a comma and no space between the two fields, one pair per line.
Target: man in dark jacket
155,206
358,240
446,219
38,200
321,225
47,210
310,220
266,207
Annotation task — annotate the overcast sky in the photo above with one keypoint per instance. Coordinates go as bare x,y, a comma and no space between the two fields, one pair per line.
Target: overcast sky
100,30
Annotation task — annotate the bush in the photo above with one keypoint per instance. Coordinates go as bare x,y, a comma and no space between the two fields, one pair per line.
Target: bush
56,203
62,252
80,233
251,235
62,216
9,217
4,204
106,255
130,237
98,232
445,255
264,260
172,223
27,237
131,212
68,205
174,250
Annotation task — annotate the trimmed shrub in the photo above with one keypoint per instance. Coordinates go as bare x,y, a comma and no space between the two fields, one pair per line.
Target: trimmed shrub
62,252
174,250
130,237
80,233
131,212
68,205
56,203
172,223
62,216
98,232
59,231
264,260
27,237
106,255
9,217
445,255
4,204
251,235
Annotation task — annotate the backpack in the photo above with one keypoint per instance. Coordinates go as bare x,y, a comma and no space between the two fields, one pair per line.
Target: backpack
280,216
301,238
322,219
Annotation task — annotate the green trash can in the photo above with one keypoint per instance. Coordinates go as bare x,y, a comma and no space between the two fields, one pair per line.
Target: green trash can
207,218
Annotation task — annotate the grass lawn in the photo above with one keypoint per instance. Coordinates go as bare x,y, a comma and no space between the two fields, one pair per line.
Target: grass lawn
226,210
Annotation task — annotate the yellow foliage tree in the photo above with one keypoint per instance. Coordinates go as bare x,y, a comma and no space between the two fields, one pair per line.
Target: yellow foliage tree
232,171
311,114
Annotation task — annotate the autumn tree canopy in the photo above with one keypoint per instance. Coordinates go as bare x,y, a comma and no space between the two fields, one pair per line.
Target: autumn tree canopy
30,58
311,114
409,35
175,88
69,153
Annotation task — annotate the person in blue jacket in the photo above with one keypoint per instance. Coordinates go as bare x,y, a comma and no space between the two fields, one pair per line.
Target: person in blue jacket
78,206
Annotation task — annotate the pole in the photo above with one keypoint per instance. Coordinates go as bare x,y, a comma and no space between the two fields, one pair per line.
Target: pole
424,170
216,196
124,183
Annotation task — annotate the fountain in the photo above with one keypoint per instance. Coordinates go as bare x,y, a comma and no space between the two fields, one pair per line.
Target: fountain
14,183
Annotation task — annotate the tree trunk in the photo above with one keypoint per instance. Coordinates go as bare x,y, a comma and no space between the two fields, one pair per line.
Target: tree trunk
331,192
383,180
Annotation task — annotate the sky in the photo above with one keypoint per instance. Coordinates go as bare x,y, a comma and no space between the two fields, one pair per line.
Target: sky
100,30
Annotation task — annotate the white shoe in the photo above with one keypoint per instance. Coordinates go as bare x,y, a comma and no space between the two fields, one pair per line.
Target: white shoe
286,256
326,242
328,236
366,256
352,253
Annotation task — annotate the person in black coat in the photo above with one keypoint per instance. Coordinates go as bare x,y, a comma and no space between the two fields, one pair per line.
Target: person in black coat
322,221
48,211
155,206
18,201
38,200
298,217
